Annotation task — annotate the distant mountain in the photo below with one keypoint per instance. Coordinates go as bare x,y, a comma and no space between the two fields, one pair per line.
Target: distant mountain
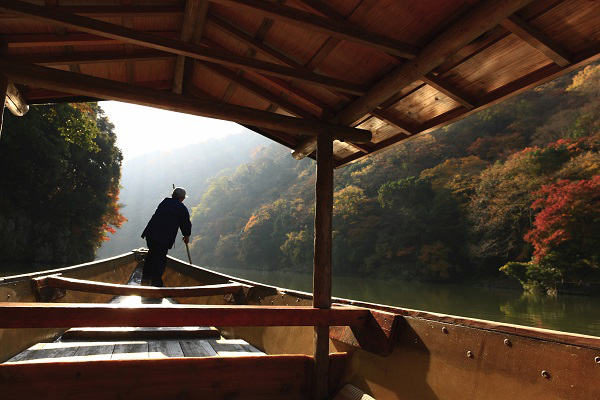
147,179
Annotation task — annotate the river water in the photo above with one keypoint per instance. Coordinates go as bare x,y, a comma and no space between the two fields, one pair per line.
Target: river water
578,314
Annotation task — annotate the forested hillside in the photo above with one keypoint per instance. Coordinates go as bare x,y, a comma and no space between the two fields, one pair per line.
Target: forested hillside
59,190
148,179
516,185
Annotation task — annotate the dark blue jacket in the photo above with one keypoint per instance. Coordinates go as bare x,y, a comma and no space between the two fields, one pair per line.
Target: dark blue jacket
170,215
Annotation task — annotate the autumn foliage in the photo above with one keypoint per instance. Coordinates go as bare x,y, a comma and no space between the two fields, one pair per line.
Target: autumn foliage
569,216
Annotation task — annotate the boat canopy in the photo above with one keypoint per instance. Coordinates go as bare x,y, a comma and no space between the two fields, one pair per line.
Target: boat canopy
371,72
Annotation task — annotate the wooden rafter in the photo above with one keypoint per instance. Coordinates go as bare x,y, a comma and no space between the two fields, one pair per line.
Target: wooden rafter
259,36
92,57
257,90
479,20
456,36
538,39
54,79
192,28
75,39
146,39
118,11
544,74
442,86
342,30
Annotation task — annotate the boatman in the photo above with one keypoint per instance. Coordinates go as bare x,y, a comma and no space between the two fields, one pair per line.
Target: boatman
160,234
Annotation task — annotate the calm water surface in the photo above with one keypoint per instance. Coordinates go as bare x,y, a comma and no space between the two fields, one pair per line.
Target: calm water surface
577,314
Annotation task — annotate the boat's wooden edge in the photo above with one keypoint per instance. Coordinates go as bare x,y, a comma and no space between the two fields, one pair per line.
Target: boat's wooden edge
266,376
530,332
123,258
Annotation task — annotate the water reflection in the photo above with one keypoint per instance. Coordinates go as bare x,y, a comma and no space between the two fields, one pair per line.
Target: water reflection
564,313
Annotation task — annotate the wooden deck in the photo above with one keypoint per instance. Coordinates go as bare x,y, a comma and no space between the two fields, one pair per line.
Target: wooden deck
65,351
136,343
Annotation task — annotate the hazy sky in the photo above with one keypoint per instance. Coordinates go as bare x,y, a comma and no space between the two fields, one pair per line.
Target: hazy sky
143,129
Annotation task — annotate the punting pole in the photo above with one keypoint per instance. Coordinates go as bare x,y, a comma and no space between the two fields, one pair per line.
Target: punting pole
322,259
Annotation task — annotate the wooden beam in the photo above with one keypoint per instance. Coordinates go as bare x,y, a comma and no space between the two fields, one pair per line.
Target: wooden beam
257,90
146,39
528,82
130,290
54,79
81,315
249,40
15,102
538,39
449,90
18,41
479,20
342,30
322,258
308,146
250,377
195,13
91,57
118,11
394,121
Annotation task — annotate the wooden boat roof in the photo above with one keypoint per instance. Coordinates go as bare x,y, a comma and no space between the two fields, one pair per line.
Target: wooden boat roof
373,72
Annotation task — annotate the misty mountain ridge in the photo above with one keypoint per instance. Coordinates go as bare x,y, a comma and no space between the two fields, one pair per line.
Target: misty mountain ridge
148,178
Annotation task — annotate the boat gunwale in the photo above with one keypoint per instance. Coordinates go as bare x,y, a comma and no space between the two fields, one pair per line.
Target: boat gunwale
549,335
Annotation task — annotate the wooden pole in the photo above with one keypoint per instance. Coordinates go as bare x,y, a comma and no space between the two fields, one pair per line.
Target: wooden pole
322,259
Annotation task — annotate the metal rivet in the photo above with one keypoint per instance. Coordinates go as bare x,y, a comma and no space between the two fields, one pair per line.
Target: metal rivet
597,359
507,342
271,301
470,354
444,329
546,374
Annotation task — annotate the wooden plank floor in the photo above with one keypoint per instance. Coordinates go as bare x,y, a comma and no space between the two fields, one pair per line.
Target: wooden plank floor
134,350
128,343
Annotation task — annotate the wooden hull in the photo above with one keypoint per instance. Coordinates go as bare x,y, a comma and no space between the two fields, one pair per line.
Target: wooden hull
406,354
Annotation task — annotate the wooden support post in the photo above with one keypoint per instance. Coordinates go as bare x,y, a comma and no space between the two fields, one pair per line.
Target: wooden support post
322,260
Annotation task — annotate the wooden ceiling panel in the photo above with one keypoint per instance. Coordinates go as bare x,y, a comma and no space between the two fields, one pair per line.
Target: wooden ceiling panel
380,129
10,26
408,20
224,41
154,70
344,8
342,149
112,71
98,48
496,66
353,62
572,24
298,43
246,21
157,23
242,97
324,95
209,82
423,105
